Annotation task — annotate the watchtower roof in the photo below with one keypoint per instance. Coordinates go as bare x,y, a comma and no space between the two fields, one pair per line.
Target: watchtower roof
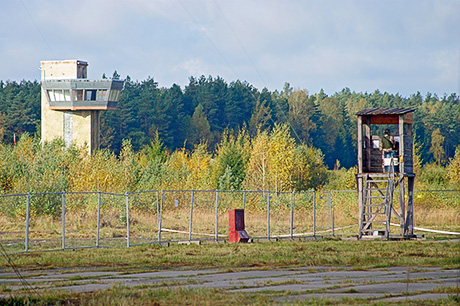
385,111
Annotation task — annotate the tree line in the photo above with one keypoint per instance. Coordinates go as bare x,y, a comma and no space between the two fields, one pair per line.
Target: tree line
208,108
270,161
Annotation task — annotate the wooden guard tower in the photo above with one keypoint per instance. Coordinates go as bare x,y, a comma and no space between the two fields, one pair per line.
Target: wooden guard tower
376,183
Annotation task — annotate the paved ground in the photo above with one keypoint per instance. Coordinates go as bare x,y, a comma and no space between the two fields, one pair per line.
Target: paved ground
392,284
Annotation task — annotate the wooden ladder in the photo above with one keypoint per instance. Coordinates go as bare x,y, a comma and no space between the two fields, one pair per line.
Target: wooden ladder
378,204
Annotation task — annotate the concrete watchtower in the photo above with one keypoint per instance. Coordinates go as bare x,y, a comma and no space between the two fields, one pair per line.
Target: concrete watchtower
379,175
71,104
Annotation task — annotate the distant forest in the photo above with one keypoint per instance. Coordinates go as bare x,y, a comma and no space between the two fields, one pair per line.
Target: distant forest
209,108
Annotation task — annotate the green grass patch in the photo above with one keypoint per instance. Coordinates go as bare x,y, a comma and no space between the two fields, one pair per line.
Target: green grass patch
357,254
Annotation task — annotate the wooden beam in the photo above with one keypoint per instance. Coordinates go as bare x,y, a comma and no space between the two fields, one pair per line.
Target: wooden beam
408,118
384,119
401,144
368,141
360,144
409,226
402,205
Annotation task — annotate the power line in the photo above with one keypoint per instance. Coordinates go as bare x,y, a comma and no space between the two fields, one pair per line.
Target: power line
254,66
24,282
38,29
240,43
209,39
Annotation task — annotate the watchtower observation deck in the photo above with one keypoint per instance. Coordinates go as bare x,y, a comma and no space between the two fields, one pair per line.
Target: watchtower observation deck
369,153
71,104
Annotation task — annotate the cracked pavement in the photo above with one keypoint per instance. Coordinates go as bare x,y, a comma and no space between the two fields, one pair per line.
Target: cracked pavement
289,284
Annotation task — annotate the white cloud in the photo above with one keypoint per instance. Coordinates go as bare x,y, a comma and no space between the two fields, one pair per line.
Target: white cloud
397,46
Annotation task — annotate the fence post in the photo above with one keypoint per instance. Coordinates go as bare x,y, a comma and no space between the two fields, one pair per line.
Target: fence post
314,214
98,216
27,222
268,215
63,220
127,220
191,218
244,199
332,211
292,214
158,215
217,205
161,215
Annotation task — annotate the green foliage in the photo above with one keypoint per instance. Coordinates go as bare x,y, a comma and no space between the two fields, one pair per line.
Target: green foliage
199,128
342,179
156,149
210,135
453,169
31,167
231,161
433,176
326,121
437,142
309,171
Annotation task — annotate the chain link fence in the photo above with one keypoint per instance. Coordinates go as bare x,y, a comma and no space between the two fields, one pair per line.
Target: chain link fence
68,220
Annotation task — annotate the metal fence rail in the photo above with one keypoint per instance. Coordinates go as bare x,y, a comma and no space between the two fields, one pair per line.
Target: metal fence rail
94,219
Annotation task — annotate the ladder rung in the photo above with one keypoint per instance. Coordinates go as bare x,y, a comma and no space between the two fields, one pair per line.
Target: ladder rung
375,205
374,221
377,181
373,230
372,214
376,197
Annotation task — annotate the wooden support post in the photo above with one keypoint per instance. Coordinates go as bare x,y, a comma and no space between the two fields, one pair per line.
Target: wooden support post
368,143
361,204
410,207
402,206
401,143
360,145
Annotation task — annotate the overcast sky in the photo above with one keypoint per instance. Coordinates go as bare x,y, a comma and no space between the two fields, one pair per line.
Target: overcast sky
394,46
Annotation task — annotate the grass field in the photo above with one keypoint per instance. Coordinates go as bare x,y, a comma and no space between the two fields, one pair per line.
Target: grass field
360,255
81,228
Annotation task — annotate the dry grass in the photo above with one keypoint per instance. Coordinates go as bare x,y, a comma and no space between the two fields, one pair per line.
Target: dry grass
45,232
81,227
438,218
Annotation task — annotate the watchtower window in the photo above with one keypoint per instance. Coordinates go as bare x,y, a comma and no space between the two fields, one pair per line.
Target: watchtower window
101,94
91,95
59,95
66,95
79,95
114,95
50,93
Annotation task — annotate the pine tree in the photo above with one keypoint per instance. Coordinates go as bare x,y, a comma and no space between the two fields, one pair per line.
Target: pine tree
200,130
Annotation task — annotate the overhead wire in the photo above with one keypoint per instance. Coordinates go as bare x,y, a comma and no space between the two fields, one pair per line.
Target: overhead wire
25,284
240,43
198,25
38,29
255,67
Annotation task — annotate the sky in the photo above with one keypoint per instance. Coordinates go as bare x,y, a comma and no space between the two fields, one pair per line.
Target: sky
394,46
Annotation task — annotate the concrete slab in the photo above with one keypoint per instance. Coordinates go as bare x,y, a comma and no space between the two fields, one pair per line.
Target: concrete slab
303,297
423,296
392,288
323,281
